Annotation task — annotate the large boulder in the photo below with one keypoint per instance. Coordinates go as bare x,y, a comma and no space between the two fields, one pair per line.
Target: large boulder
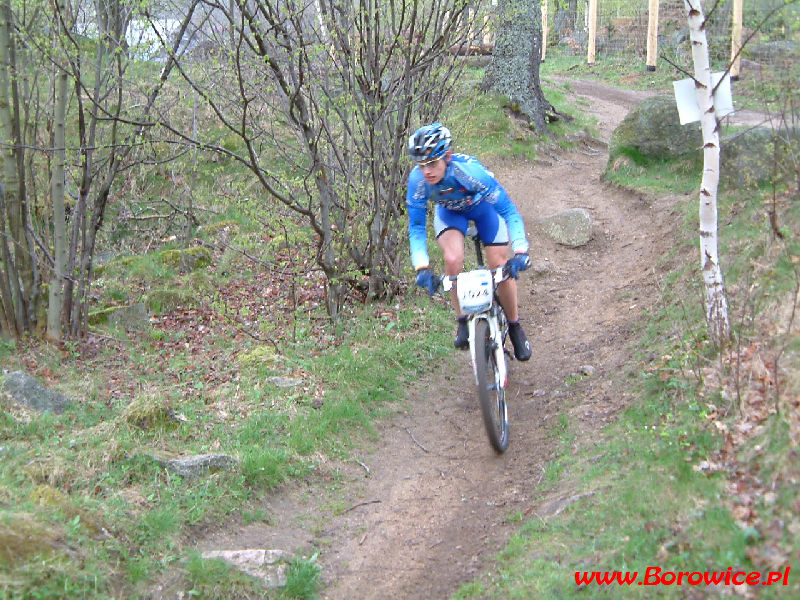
652,130
750,158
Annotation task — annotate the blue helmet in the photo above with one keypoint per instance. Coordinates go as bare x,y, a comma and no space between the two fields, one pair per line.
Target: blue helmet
429,142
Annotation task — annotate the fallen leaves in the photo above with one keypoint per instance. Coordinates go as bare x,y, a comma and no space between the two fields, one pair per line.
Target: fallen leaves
753,382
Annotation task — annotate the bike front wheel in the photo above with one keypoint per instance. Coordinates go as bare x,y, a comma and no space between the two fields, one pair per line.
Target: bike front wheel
491,393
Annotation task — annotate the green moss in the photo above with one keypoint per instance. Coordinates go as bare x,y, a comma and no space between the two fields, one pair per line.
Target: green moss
258,357
170,258
160,302
226,224
149,412
186,259
134,316
52,498
22,537
49,470
100,316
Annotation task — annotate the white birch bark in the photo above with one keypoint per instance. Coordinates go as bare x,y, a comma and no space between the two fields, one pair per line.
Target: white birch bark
716,304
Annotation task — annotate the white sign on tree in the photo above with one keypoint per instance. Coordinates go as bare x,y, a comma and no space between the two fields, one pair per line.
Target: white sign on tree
686,98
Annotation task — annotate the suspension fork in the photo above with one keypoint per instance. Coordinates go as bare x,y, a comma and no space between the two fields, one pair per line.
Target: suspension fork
497,341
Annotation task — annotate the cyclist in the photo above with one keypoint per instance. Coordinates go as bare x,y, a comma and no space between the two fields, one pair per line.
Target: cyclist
463,190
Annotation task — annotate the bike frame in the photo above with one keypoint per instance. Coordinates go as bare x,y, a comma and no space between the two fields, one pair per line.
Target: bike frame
477,298
490,315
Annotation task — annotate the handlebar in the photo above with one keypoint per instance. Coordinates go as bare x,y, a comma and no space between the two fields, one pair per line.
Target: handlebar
499,274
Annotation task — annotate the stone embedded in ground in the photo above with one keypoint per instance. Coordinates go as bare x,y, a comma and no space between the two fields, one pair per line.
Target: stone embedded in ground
201,464
285,382
28,391
571,227
270,566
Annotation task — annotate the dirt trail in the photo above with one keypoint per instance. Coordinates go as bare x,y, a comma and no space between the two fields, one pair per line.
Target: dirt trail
436,503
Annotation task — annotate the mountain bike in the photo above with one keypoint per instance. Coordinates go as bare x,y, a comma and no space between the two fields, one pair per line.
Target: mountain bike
488,329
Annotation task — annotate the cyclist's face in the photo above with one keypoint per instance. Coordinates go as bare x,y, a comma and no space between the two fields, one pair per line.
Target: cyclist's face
433,170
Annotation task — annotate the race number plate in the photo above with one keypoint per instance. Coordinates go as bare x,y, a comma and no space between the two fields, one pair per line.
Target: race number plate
475,291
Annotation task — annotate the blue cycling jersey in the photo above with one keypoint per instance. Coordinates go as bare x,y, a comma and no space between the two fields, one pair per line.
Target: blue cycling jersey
466,183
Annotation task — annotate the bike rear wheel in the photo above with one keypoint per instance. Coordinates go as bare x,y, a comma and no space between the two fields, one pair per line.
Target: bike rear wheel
491,394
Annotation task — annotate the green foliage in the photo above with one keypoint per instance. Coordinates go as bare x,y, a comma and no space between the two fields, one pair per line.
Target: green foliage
620,70
498,134
214,579
302,580
631,170
264,467
7,348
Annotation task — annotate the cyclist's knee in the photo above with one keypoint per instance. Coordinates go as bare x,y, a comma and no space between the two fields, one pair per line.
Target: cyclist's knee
453,262
496,256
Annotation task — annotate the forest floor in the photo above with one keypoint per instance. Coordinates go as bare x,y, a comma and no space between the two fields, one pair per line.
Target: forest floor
426,510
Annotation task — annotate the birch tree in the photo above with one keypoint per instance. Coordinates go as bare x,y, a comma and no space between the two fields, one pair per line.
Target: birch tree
716,304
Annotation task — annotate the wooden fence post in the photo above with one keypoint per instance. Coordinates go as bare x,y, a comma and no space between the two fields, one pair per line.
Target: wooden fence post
590,54
736,39
652,35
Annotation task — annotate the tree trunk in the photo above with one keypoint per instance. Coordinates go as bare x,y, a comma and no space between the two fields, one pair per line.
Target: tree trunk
514,70
716,305
16,253
566,16
56,292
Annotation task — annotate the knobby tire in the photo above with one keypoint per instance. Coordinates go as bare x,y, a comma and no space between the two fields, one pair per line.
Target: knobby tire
490,395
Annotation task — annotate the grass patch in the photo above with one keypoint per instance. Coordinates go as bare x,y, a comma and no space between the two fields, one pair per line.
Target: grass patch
677,483
618,70
103,457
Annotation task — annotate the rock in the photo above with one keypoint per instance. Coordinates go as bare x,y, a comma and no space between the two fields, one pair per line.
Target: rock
193,466
271,566
160,302
541,268
258,357
748,158
186,259
570,228
285,382
29,392
751,66
132,317
197,465
149,412
587,370
652,130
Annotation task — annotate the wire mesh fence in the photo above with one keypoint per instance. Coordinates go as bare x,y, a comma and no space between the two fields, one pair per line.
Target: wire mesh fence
770,28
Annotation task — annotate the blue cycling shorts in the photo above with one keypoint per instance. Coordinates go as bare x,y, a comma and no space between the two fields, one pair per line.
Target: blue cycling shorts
491,226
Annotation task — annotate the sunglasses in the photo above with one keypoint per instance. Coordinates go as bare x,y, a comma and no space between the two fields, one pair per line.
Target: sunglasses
428,163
